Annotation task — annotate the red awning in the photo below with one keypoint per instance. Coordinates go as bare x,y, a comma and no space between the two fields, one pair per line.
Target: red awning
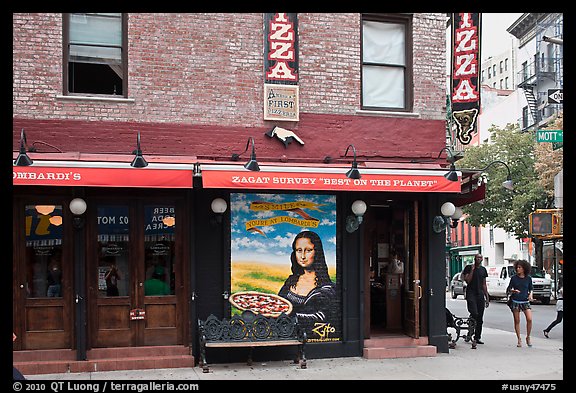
475,195
326,179
103,174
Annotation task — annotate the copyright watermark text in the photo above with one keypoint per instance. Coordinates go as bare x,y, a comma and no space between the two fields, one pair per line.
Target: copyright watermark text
104,386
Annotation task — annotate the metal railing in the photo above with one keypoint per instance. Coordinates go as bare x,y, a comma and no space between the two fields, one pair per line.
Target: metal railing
545,67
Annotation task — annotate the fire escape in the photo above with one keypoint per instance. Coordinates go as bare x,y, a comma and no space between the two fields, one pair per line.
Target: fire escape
545,72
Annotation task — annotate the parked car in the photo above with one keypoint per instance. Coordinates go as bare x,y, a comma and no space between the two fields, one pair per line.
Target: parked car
458,286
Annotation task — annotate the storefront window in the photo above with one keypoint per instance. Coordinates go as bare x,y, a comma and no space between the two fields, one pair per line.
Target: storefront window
113,251
159,241
44,262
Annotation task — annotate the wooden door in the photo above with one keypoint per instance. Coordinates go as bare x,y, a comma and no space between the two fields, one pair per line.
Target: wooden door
413,287
42,271
134,274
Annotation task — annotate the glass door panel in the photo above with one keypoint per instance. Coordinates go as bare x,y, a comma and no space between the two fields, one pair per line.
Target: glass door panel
159,242
45,285
111,291
113,251
43,251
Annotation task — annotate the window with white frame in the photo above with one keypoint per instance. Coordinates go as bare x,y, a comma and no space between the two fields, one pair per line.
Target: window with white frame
95,54
386,62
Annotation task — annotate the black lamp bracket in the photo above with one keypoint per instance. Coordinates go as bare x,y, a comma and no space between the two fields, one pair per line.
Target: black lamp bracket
236,156
353,149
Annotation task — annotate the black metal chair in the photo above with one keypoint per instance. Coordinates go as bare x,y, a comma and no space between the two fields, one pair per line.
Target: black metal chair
460,324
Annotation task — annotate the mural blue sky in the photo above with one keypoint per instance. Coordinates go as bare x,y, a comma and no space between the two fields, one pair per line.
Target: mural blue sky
274,243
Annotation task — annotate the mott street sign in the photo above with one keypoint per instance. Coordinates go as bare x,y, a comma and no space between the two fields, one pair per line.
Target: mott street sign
549,136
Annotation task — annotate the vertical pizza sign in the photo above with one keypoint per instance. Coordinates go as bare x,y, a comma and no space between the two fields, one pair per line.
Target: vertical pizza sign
283,260
281,67
465,86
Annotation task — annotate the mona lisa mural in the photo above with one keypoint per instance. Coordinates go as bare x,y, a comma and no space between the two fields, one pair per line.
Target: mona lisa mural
285,245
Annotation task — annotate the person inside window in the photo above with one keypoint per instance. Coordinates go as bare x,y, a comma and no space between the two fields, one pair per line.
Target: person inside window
112,277
156,286
54,280
309,287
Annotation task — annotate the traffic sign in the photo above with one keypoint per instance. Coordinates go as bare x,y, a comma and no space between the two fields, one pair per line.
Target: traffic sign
550,136
555,96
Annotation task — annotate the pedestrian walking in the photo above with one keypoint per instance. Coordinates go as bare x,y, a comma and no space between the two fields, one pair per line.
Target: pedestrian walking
520,288
559,312
477,298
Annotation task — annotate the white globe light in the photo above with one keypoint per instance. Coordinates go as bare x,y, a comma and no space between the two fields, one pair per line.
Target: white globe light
359,208
457,213
219,205
78,206
448,209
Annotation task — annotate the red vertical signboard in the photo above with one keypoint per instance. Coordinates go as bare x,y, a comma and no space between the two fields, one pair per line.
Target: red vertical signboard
281,67
465,86
281,48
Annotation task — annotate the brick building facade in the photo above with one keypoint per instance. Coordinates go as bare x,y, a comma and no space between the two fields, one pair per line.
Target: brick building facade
194,91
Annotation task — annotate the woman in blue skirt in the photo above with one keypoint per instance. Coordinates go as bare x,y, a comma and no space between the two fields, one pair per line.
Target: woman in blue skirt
520,289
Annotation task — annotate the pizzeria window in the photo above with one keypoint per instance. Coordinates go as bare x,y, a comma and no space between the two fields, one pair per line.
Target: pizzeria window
160,246
44,262
95,54
387,62
114,277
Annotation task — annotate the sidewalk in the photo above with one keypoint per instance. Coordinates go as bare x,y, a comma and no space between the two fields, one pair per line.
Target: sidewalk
497,359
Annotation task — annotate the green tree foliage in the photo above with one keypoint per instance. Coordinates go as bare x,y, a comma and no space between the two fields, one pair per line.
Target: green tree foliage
549,162
501,207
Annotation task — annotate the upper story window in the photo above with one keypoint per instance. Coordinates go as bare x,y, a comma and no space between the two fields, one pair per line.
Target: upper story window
387,62
95,54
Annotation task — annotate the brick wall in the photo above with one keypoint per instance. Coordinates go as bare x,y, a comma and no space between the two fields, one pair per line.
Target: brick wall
193,73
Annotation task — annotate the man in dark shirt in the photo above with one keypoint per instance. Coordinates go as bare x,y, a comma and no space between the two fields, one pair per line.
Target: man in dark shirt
476,294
